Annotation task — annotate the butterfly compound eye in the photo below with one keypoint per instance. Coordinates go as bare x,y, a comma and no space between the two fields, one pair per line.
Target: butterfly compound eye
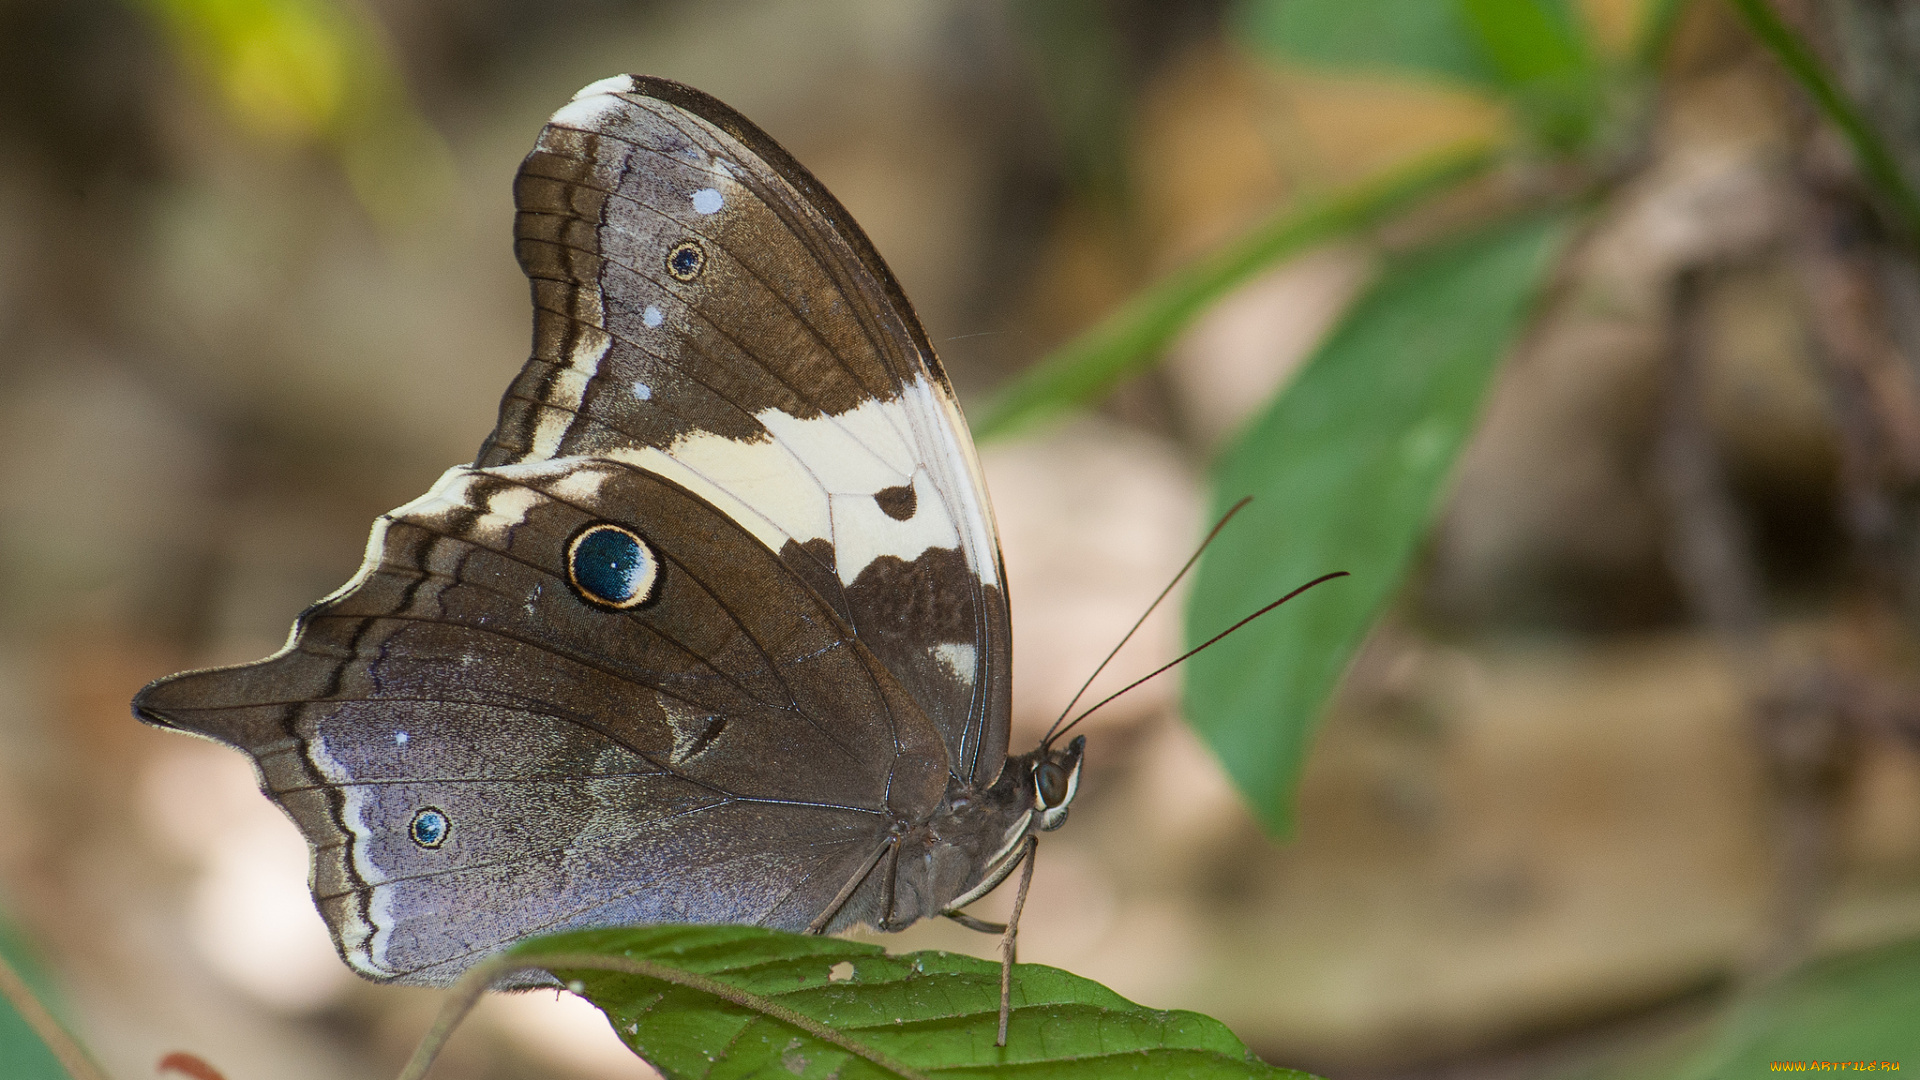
612,567
1056,776
1051,781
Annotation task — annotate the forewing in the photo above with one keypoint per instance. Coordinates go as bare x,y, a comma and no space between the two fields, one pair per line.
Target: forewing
725,752
704,308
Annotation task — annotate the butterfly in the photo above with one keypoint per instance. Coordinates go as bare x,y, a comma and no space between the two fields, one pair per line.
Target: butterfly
713,630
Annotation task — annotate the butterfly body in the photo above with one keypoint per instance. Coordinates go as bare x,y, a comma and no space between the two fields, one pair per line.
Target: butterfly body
713,629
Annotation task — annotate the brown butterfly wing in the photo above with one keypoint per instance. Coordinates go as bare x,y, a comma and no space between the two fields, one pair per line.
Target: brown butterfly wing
726,752
724,366
705,308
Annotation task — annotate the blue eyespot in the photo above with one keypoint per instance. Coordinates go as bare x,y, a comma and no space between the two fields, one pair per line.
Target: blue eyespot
686,260
611,566
429,828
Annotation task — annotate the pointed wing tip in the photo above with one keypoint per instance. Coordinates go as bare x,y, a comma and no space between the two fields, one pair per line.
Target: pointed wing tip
190,700
150,704
162,701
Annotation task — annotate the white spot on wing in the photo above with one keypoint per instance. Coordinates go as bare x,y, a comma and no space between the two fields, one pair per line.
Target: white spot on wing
400,738
707,201
652,316
579,485
505,509
447,493
592,104
584,114
529,471
612,84
643,391
958,657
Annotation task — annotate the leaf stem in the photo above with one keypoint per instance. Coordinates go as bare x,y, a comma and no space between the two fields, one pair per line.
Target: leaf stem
64,1047
1133,337
1876,160
466,993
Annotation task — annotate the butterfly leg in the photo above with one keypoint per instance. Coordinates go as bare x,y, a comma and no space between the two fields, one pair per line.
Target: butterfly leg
820,921
971,923
886,907
1009,943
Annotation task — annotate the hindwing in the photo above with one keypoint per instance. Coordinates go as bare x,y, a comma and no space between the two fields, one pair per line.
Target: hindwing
726,752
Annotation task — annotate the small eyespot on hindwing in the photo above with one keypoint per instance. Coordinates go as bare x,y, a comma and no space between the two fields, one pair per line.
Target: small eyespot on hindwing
429,827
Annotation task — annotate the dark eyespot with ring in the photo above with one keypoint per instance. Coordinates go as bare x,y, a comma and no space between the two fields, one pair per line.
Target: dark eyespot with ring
612,566
686,260
429,828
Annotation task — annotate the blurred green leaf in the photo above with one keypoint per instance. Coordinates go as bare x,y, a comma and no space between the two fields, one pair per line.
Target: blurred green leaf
1424,37
1346,467
1527,41
1134,337
1545,61
745,1001
1534,53
1864,1007
1083,77
24,1054
317,71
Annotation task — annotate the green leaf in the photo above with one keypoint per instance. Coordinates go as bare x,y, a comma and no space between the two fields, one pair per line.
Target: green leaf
1533,52
1527,41
1423,37
1134,337
744,1001
1855,1008
26,1055
1346,467
1545,62
1852,1008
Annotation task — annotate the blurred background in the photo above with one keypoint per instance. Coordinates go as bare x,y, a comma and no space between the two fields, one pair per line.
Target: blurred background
257,287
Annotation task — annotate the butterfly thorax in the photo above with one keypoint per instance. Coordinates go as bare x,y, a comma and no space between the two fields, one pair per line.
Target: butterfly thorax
976,836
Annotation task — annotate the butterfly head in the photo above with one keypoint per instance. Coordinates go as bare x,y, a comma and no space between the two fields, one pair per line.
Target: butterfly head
1056,779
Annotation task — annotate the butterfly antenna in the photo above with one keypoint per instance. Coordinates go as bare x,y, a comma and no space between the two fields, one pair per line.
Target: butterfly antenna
1190,653
1217,526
